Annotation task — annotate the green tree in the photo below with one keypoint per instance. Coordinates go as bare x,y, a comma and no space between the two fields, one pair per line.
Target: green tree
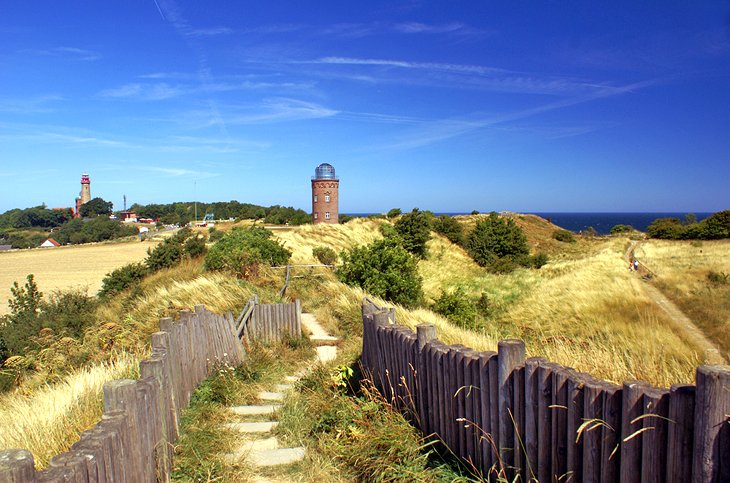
457,308
450,228
96,207
393,212
498,243
415,231
384,269
241,251
666,228
172,250
122,278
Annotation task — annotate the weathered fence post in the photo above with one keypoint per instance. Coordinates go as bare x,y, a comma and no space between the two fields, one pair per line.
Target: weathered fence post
632,406
16,466
424,334
532,398
711,456
680,432
510,353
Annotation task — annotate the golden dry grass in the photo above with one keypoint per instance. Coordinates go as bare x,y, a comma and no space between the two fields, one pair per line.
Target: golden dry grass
682,269
49,420
66,267
583,309
302,239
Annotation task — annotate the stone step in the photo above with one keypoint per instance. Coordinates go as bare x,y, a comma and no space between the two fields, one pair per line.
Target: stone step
276,457
271,396
255,410
247,447
326,353
324,340
261,427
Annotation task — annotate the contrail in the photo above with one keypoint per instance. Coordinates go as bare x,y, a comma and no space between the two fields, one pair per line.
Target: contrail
160,10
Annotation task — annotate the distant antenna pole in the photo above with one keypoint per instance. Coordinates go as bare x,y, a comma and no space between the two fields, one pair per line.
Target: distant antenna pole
125,202
195,189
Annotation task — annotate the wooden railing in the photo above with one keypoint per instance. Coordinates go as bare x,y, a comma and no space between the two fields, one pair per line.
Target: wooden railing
134,440
269,322
530,419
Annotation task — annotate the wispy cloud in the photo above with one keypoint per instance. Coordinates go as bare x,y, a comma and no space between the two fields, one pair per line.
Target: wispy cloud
148,92
455,76
418,28
68,53
211,32
280,110
442,129
32,105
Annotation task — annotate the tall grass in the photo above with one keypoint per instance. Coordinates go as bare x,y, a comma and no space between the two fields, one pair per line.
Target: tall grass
582,310
50,419
683,273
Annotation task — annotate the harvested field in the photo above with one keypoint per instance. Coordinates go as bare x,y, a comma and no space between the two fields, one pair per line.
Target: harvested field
66,267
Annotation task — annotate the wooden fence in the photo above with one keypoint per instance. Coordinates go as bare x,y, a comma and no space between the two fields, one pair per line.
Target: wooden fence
269,322
534,420
133,441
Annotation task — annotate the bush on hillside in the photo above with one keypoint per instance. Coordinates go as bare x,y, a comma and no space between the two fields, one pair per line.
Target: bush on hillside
538,260
195,246
414,229
122,278
450,228
714,227
394,212
457,308
564,236
242,250
619,229
668,228
498,244
384,269
325,255
345,218
214,234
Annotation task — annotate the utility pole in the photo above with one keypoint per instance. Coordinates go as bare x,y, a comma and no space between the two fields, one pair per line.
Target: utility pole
195,190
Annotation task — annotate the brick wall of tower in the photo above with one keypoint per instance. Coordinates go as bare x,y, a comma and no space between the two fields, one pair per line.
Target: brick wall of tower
321,188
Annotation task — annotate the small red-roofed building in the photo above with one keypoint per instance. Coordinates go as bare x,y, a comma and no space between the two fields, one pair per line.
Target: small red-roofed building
50,243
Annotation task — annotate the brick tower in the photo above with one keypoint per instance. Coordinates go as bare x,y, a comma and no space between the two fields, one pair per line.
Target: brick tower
85,194
325,195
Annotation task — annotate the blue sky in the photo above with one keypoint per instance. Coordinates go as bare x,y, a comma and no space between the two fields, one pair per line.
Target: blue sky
447,106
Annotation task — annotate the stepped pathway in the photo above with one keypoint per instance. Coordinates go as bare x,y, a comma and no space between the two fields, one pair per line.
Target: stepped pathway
258,447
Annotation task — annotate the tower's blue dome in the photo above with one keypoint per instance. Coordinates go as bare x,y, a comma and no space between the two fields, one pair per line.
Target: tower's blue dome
325,171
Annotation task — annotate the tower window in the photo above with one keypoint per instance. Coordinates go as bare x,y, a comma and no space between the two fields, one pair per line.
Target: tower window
315,198
327,215
316,215
326,198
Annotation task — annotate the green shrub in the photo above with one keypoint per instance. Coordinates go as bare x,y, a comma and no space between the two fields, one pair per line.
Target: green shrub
450,228
718,278
214,234
457,308
498,244
384,269
242,249
394,212
539,260
564,236
345,218
122,278
666,228
415,231
619,229
195,246
325,255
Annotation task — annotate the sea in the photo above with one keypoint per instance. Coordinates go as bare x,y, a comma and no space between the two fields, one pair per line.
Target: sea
602,222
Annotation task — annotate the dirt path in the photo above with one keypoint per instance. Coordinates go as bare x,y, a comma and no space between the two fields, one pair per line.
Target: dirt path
711,353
